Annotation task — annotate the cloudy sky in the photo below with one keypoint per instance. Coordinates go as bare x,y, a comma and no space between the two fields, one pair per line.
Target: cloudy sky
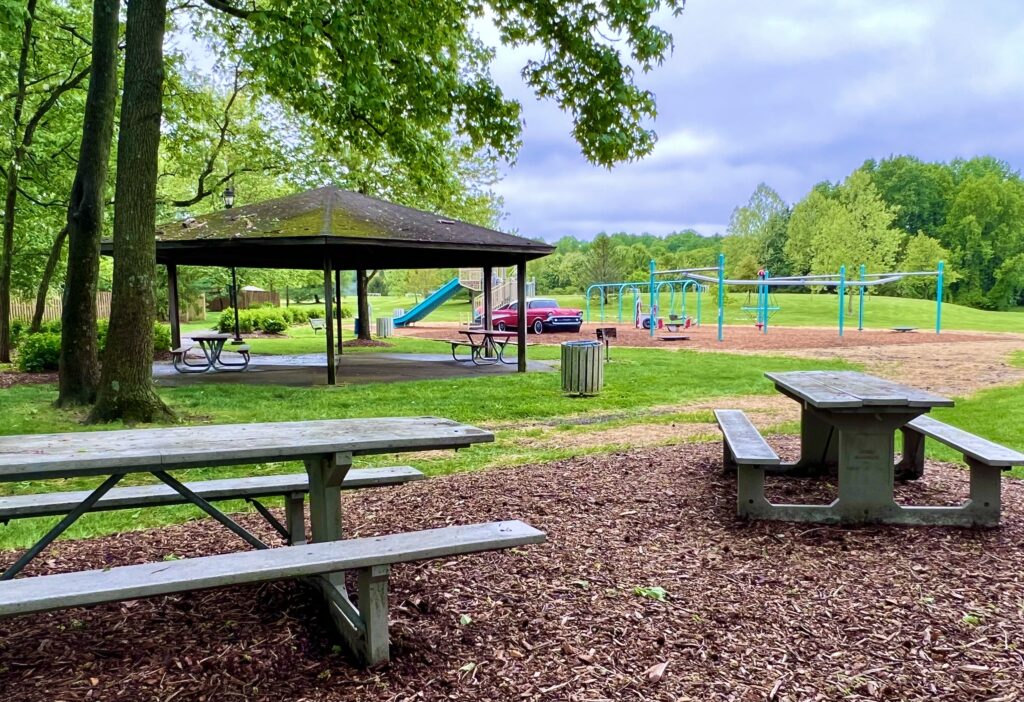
788,92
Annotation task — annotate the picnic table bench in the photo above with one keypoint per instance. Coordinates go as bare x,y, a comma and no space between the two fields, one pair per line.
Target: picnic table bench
212,346
848,424
326,449
486,346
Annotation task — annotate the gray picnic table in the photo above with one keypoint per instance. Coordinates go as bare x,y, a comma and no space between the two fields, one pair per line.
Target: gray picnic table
325,447
848,425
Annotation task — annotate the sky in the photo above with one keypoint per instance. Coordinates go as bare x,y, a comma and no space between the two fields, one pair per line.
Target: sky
788,92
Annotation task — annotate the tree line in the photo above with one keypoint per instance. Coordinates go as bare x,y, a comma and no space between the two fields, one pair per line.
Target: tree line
897,214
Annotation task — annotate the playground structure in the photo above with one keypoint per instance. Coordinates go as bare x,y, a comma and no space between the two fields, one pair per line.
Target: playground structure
764,284
503,291
678,291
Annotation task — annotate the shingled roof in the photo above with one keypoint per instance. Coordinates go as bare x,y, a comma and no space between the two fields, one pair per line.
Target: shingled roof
352,230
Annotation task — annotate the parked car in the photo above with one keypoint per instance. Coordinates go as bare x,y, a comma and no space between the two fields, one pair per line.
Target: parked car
542,314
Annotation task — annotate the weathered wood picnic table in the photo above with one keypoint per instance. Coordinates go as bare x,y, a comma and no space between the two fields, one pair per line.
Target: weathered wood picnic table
212,345
326,449
847,426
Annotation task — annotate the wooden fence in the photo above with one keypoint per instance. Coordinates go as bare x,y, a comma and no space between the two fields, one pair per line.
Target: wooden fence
24,309
190,310
246,299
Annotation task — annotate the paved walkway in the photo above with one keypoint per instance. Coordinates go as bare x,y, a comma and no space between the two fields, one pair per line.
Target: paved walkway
359,367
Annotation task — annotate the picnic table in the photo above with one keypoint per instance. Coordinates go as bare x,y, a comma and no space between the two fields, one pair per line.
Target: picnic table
847,426
487,346
212,346
325,447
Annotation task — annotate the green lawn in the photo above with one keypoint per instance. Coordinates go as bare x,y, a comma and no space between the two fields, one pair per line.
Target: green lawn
638,383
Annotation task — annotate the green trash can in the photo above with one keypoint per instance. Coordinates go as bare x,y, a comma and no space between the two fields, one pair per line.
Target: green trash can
582,368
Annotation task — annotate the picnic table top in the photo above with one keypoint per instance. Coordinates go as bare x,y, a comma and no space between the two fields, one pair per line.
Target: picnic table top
852,390
206,336
486,332
38,456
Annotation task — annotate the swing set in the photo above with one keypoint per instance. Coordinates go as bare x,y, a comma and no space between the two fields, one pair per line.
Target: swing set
761,303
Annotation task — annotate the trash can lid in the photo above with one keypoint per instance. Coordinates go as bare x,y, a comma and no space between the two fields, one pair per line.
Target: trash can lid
581,343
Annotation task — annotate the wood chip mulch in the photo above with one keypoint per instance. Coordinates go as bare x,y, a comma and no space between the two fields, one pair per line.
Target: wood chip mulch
11,378
759,611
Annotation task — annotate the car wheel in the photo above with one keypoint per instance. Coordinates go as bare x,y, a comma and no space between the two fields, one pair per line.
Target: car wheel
500,326
538,326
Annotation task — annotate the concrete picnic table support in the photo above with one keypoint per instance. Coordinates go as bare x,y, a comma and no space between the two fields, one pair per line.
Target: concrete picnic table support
849,421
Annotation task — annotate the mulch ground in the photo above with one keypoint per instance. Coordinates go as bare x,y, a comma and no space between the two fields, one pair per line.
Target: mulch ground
12,378
759,611
738,338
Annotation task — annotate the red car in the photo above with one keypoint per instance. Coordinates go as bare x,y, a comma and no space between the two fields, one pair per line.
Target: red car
542,314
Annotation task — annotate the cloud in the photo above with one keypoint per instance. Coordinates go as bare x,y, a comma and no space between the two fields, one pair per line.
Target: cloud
790,93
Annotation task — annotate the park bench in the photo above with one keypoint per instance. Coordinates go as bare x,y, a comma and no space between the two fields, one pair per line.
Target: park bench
317,324
364,626
292,487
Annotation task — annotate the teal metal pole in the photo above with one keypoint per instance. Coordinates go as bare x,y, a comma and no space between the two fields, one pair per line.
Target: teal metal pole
860,310
621,288
600,291
938,297
721,293
765,286
842,293
652,295
700,294
588,305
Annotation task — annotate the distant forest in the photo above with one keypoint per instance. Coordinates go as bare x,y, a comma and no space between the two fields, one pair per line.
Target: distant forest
898,214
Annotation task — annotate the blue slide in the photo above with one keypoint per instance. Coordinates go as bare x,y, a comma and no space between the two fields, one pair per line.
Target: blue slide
430,303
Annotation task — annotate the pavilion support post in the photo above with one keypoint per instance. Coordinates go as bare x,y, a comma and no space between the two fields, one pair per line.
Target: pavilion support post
521,307
332,371
172,305
234,302
337,301
485,286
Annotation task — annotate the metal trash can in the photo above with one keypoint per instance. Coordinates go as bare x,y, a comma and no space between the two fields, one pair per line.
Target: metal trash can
385,327
582,368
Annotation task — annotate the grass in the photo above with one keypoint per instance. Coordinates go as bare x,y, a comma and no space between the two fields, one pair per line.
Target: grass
638,383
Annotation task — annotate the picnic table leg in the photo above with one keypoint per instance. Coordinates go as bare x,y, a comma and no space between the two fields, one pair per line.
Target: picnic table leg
911,465
819,444
866,471
986,498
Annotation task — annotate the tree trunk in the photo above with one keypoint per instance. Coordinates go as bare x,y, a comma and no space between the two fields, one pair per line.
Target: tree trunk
44,283
362,300
79,352
126,385
11,195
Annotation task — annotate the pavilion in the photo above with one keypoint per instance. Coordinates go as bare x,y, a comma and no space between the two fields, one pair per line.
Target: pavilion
333,230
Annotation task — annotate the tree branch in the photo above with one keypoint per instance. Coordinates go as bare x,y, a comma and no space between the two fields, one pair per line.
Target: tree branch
229,9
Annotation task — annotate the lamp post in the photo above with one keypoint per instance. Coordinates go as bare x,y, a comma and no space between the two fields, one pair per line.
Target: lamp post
229,197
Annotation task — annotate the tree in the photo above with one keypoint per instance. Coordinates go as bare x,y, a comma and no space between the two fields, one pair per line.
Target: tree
79,357
922,253
391,75
126,384
917,192
604,263
851,226
753,235
23,126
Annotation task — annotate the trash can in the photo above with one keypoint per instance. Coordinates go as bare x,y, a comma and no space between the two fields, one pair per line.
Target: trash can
582,368
385,327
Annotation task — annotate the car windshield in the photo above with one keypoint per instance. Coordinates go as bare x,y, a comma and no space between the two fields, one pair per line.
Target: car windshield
542,304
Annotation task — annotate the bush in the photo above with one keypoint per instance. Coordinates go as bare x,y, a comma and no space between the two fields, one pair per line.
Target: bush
273,326
39,352
161,337
18,329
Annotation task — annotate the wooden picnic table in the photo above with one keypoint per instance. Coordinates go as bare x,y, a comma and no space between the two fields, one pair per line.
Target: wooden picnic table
484,342
848,424
325,446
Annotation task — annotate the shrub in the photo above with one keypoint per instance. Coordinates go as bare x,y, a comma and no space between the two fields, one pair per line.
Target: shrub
52,327
39,352
274,326
226,321
161,337
18,328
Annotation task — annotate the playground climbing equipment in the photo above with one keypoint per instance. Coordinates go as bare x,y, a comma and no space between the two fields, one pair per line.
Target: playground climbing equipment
764,285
